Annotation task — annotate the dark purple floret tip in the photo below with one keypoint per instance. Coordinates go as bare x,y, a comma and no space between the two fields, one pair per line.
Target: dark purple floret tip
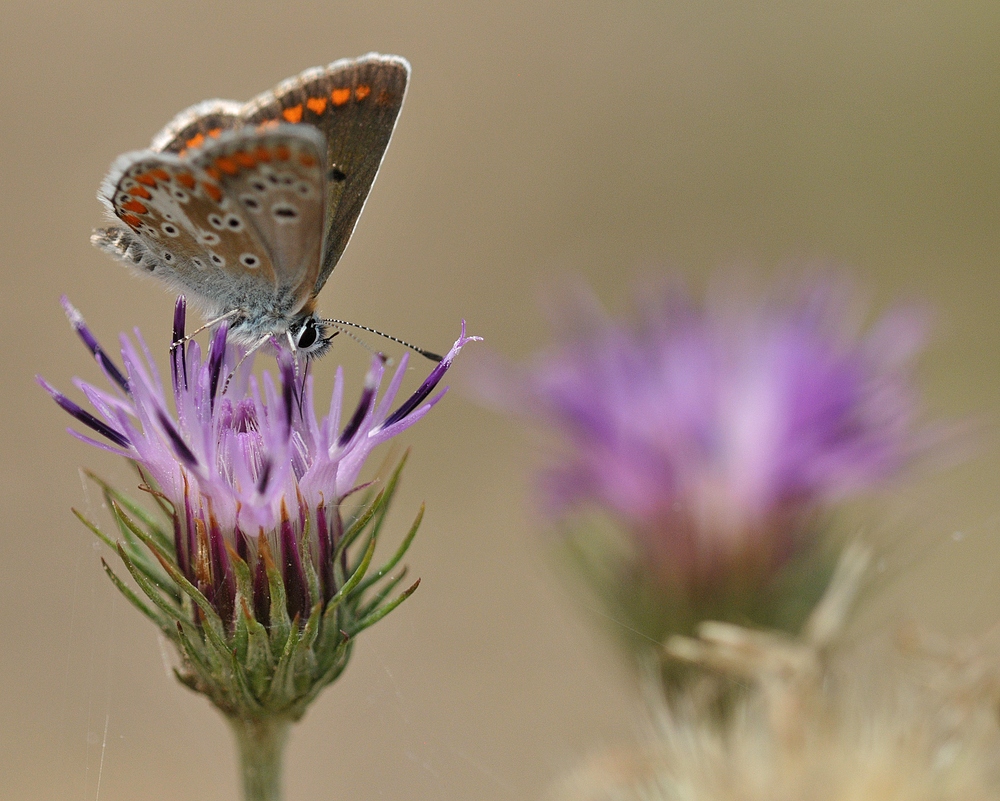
181,449
85,334
84,416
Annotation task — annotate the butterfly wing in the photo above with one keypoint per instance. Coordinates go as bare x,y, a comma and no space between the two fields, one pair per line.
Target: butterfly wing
355,104
276,179
237,223
199,228
198,125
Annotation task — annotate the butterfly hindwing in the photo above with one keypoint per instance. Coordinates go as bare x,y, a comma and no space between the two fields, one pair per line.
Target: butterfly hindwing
238,223
166,202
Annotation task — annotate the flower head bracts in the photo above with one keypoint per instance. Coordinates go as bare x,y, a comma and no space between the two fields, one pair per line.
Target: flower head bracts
253,481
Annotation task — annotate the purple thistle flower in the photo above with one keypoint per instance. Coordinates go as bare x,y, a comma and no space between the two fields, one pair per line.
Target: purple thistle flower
248,468
715,437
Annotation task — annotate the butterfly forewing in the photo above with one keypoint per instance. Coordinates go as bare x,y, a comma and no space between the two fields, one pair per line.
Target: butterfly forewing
355,104
198,125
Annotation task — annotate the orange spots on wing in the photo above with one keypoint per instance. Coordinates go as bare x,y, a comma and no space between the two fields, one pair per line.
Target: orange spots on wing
293,113
306,160
244,159
212,191
282,153
214,172
362,92
262,154
160,174
317,105
136,206
146,178
267,124
186,179
140,191
131,219
196,141
214,133
340,96
385,98
227,165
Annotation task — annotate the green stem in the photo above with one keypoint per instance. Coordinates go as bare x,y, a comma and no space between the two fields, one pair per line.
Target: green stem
261,745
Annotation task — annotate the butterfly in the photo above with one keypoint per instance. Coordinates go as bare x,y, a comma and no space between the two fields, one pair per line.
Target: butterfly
247,207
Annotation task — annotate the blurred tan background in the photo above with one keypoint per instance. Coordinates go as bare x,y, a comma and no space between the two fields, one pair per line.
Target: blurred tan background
538,139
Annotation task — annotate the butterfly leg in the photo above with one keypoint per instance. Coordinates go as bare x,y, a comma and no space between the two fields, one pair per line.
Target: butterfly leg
253,349
184,340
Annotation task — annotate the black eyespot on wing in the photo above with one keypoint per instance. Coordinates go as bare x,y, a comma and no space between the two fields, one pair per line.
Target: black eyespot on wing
337,175
284,212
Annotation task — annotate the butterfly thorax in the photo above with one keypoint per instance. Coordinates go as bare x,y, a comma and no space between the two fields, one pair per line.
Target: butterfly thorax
304,334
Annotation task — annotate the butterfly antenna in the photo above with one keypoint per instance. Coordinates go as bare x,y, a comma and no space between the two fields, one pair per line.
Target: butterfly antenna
341,330
434,357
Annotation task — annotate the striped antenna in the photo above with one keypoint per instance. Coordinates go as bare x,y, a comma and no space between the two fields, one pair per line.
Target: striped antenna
425,353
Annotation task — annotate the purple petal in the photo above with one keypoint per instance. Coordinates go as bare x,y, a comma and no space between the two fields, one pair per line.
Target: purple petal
108,366
432,380
83,416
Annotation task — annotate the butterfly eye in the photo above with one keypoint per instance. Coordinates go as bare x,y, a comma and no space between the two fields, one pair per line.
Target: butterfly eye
307,337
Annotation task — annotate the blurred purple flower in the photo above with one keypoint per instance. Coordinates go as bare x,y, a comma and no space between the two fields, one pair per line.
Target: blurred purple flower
716,435
246,465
